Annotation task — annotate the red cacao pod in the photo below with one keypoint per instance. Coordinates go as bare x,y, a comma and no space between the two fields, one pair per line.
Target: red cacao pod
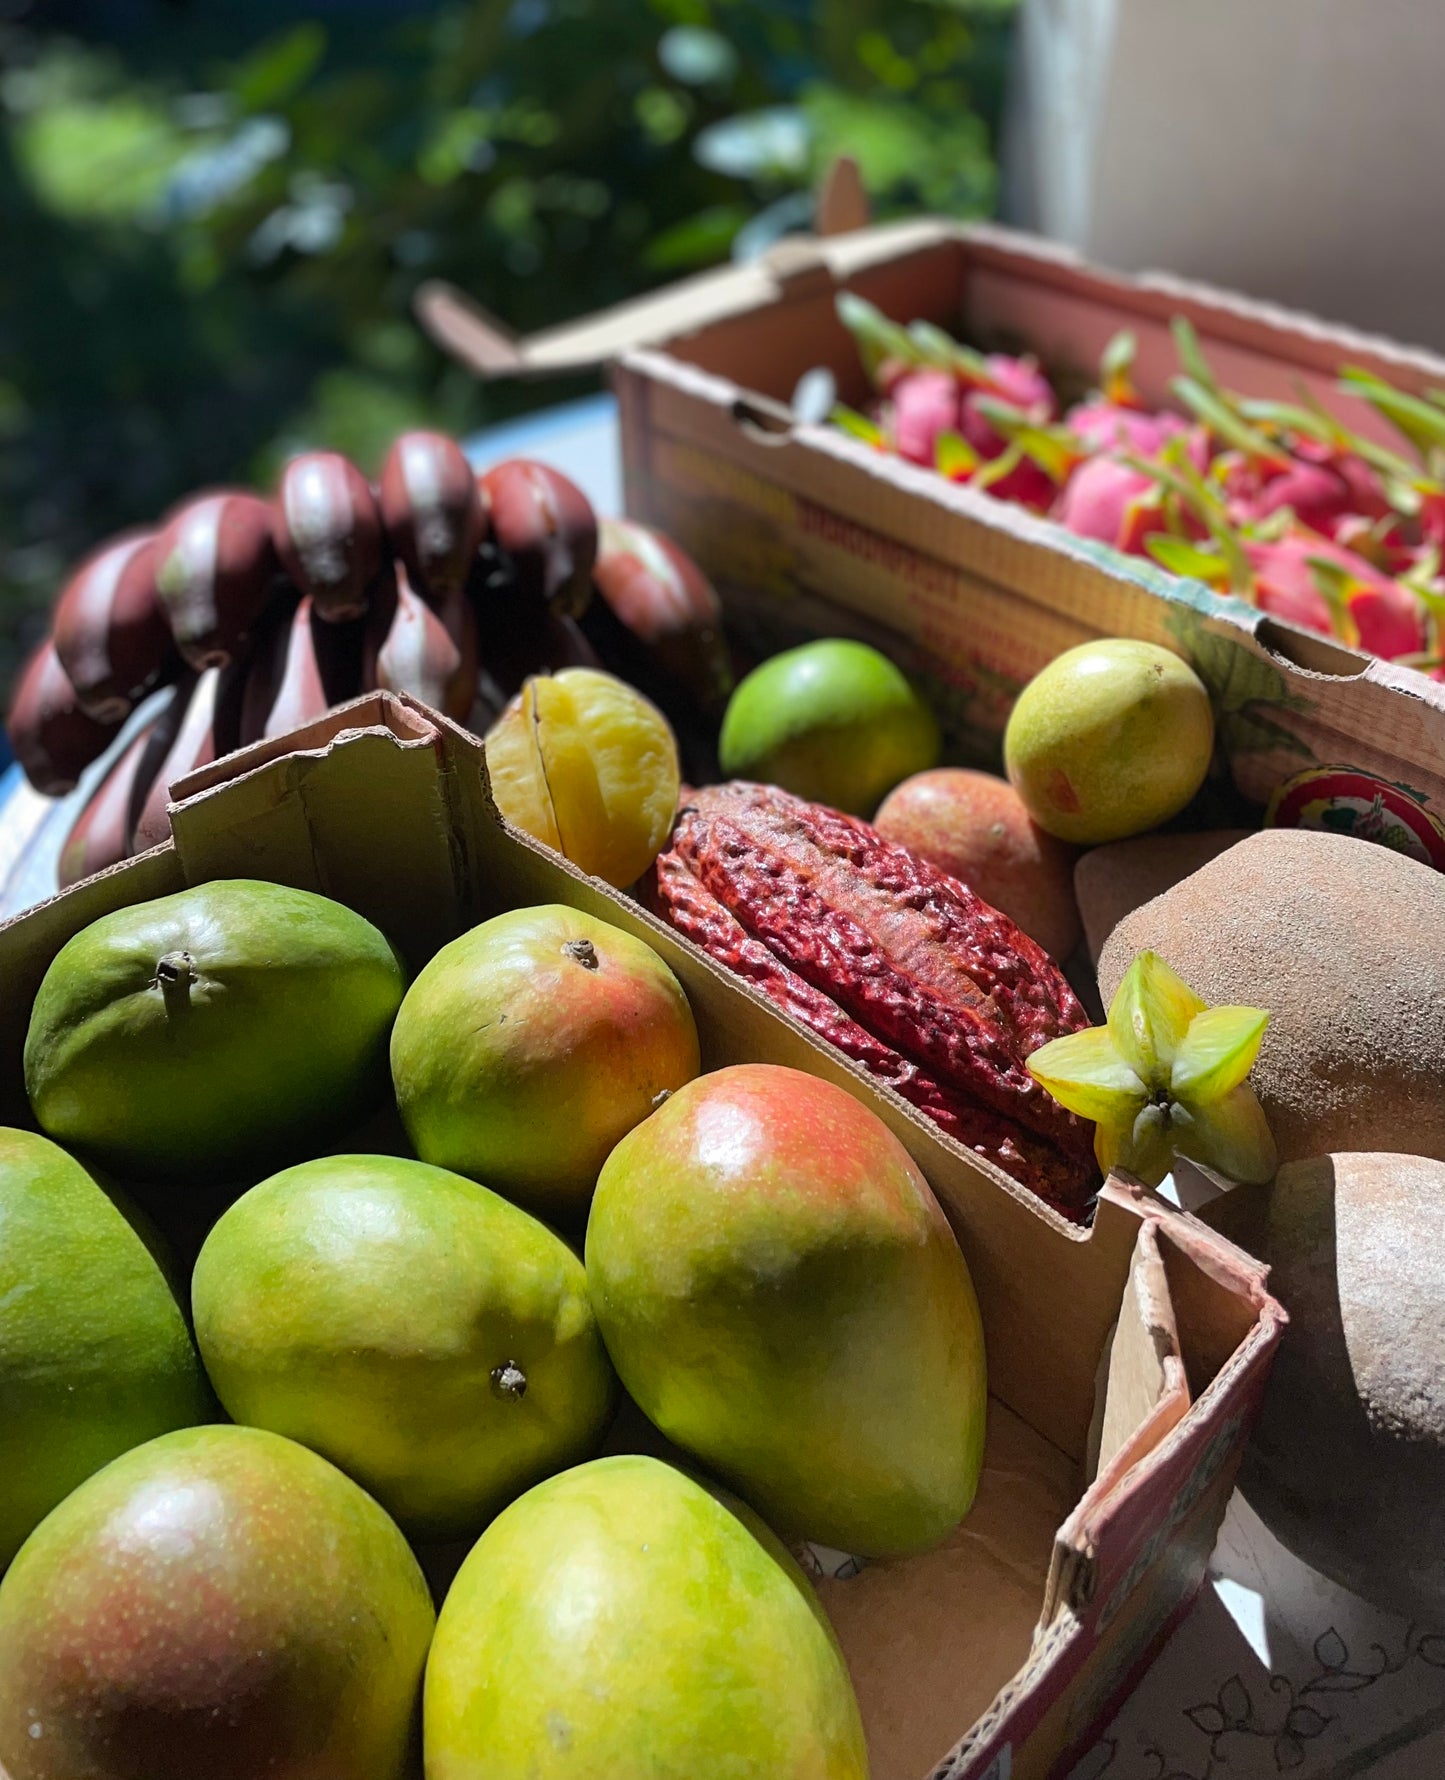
544,533
433,512
52,737
110,628
430,654
329,534
659,617
905,970
215,569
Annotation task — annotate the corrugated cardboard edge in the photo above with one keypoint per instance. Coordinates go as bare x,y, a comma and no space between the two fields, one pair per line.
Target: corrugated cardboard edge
685,307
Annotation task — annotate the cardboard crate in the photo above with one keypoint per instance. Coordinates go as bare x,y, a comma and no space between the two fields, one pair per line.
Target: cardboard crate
1126,1362
808,530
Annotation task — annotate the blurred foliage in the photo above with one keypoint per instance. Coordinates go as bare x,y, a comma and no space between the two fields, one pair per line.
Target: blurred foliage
213,217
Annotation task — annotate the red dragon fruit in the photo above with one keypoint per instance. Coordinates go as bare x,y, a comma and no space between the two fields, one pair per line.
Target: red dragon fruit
1306,579
925,405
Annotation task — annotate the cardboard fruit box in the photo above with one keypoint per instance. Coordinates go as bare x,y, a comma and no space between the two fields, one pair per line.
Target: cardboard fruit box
807,530
1126,1362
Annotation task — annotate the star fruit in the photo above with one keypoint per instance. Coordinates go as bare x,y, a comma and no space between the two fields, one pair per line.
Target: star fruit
1164,1078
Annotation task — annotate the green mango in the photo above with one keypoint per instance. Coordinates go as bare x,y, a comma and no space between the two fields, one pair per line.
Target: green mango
218,1604
527,1047
622,1620
432,1340
209,1032
782,1296
95,1356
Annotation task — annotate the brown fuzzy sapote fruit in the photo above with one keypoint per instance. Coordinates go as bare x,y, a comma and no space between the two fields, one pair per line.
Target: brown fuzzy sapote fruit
1347,1464
1333,936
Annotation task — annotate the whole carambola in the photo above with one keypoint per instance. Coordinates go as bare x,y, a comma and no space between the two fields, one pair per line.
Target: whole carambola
906,970
201,1034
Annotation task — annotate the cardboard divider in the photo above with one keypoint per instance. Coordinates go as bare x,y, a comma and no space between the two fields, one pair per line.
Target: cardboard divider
962,1650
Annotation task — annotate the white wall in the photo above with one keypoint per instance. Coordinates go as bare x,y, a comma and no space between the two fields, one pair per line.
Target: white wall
1288,149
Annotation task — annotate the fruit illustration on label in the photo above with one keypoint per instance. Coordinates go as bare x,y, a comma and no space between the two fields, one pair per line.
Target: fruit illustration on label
1109,739
1165,1077
580,761
833,721
623,1620
903,969
782,1295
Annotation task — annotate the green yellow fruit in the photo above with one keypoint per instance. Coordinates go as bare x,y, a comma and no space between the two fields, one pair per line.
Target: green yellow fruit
1110,739
584,763
621,1620
833,721
782,1296
414,1328
529,1046
1165,1077
95,1357
207,1032
221,1603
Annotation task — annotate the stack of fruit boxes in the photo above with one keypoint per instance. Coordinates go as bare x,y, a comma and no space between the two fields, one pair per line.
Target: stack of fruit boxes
1126,1362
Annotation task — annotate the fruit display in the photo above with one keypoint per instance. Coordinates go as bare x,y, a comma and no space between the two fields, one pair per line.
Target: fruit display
906,970
627,1580
358,1304
409,1356
526,1049
1347,1466
799,1245
832,721
1279,503
254,616
219,1601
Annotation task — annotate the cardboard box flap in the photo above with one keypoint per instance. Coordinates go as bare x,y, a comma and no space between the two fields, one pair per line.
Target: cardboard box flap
490,348
1145,1391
